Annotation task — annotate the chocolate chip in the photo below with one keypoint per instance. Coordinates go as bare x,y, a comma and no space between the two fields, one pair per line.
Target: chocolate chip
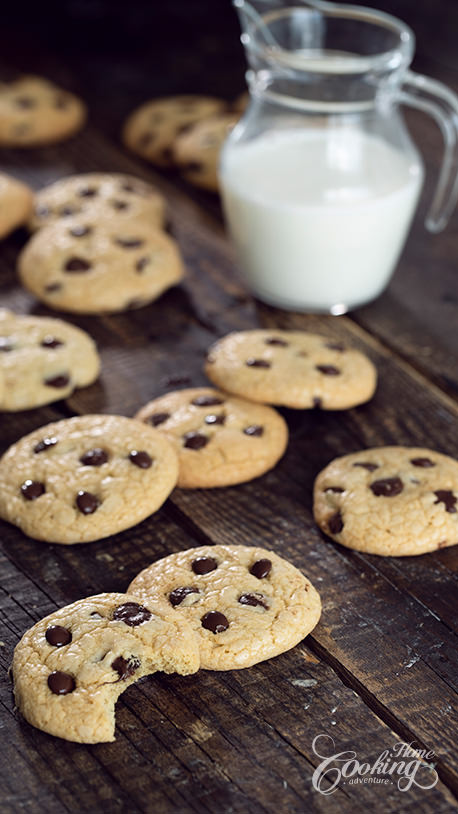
42,211
446,497
125,668
203,565
337,489
328,370
254,600
51,287
279,342
31,489
261,568
58,381
61,102
215,419
66,211
87,192
145,139
335,346
87,502
77,264
207,401
140,459
158,418
257,363
369,466
255,430
423,462
178,595
44,444
51,342
25,102
94,457
215,621
195,440
58,636
132,614
61,683
5,344
120,206
126,187
317,402
142,263
129,242
192,166
387,487
335,523
80,231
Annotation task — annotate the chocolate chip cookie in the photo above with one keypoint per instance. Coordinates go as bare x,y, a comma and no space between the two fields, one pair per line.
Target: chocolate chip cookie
85,478
291,368
43,360
220,440
244,603
150,129
392,501
70,668
112,196
15,204
34,112
196,151
88,265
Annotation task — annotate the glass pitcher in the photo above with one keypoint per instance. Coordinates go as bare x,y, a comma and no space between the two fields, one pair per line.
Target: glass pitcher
320,178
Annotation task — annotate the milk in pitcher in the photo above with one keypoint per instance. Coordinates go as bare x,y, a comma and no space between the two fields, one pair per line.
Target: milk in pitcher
319,216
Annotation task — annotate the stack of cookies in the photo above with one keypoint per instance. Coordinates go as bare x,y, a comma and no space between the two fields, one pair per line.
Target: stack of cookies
185,131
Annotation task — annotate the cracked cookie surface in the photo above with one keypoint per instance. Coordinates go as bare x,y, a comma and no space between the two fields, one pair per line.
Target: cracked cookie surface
391,501
70,668
220,440
88,265
42,360
85,478
245,604
291,368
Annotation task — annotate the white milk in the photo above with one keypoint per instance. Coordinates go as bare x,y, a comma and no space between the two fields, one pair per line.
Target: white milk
319,218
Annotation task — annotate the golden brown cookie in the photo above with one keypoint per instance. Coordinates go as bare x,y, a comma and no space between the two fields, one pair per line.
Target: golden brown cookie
291,368
34,112
70,668
244,603
88,265
220,440
43,360
85,478
150,129
392,501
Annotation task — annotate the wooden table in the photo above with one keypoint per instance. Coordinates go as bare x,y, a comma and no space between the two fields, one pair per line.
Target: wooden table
382,665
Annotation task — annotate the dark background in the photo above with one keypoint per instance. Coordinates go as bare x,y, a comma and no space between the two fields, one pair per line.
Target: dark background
117,54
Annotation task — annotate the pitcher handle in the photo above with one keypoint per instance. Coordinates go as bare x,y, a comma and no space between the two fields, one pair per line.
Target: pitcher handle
441,103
